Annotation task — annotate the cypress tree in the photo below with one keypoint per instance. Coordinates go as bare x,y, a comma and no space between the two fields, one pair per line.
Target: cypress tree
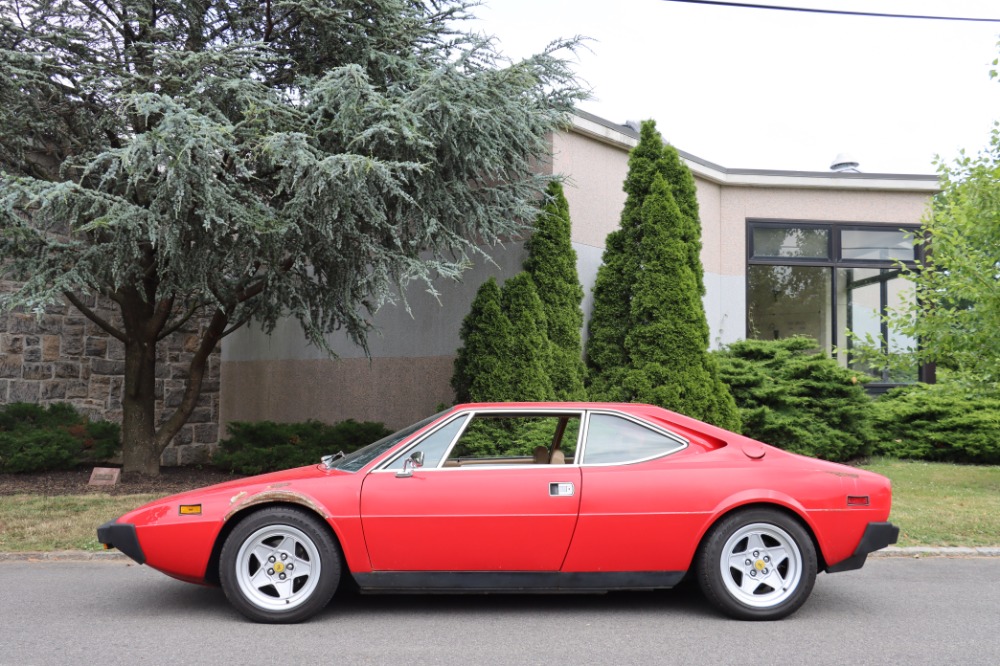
649,335
551,263
482,373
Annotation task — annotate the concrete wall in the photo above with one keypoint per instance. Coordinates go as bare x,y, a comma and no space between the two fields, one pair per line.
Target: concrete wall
280,378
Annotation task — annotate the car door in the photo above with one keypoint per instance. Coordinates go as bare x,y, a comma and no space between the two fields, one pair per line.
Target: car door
476,513
637,512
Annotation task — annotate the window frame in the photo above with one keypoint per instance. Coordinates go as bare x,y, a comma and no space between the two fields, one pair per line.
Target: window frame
581,451
833,264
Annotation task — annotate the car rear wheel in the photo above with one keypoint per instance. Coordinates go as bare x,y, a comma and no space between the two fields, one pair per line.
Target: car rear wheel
279,565
758,564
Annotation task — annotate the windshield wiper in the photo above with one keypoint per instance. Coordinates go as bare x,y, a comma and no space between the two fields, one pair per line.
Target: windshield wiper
328,460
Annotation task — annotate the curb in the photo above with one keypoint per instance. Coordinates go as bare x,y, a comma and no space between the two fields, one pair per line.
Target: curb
915,552
65,556
931,551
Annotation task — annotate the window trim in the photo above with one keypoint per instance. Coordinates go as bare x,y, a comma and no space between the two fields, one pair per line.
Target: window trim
499,412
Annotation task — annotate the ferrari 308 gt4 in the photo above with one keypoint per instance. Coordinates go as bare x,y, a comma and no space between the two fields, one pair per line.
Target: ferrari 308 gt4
522,497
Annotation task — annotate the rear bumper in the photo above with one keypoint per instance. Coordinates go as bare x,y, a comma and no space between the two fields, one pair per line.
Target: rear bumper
123,537
876,537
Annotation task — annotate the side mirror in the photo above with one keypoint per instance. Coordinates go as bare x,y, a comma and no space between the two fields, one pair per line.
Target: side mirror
415,460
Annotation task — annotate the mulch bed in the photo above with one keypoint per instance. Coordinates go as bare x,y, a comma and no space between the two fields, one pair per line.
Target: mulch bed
74,482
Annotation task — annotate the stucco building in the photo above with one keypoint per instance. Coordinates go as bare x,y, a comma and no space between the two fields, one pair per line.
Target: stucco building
784,252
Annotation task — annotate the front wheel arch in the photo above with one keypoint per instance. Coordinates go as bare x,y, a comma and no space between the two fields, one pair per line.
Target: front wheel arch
212,570
280,565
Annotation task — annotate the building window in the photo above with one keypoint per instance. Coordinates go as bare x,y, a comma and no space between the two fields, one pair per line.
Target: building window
824,280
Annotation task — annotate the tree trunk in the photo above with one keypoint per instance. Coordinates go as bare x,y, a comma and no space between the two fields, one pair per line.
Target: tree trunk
141,450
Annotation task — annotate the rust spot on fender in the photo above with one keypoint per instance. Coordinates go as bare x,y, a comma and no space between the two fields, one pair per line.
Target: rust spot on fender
842,475
272,495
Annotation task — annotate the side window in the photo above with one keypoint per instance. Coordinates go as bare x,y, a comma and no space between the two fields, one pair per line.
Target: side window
613,439
433,446
526,439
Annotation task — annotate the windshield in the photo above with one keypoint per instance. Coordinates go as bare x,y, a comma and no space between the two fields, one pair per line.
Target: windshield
354,461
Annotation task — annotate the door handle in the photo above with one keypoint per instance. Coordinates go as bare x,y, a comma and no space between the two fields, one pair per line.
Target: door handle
561,489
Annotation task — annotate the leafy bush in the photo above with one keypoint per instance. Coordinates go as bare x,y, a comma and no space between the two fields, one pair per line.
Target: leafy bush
38,439
266,446
799,400
941,422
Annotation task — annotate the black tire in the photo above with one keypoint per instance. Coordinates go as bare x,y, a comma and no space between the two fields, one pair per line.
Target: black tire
757,564
297,583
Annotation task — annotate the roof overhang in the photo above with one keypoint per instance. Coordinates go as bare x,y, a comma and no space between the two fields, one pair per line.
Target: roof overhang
625,138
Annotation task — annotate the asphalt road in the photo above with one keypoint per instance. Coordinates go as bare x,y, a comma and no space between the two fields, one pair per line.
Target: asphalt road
894,611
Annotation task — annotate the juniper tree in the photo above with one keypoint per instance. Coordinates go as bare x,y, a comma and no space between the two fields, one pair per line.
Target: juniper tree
240,161
530,354
482,372
505,354
551,263
649,336
610,316
667,343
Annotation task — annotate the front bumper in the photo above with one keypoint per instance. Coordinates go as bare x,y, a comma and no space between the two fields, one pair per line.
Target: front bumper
123,537
876,537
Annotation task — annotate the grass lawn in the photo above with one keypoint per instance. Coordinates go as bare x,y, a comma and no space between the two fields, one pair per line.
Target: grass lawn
59,522
939,504
934,504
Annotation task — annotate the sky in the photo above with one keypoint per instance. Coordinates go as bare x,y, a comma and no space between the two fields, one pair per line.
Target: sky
764,89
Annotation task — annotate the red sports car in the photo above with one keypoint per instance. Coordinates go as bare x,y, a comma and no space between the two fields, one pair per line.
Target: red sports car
517,497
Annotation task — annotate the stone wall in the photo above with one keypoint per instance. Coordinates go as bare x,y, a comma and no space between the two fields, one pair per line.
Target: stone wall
61,356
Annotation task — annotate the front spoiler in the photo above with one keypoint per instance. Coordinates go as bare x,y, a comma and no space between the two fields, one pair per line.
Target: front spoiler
121,536
876,537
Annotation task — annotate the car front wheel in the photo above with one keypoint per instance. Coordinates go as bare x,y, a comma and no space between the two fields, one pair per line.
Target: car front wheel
279,565
758,564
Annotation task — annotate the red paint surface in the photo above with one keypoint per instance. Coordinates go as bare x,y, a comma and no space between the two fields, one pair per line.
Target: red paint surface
645,516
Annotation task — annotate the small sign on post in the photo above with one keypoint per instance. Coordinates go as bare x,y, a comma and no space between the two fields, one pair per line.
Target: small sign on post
104,476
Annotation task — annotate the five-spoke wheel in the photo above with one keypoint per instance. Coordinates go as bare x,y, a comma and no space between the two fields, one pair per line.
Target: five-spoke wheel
758,564
279,565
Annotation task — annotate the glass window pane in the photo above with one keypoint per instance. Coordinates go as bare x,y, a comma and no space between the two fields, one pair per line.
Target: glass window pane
612,439
433,446
783,301
876,245
863,296
901,296
791,242
512,438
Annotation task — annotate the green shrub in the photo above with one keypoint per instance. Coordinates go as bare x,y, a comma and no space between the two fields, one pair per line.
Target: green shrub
799,400
941,422
266,446
38,439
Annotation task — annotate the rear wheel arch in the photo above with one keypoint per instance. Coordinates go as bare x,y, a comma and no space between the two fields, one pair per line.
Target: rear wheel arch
788,511
775,579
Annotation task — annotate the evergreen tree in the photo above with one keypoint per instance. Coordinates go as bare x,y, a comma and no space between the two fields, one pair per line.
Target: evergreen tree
482,372
607,358
235,161
668,341
530,352
551,263
649,335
